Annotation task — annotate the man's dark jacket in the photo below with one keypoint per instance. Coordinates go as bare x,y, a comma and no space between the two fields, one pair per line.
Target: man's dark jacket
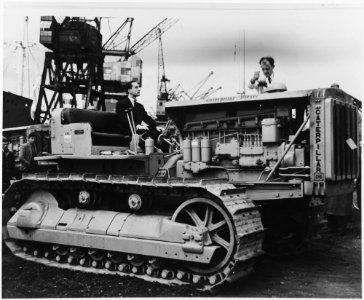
27,153
139,115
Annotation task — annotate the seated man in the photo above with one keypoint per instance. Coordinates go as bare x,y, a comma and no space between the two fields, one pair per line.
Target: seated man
131,113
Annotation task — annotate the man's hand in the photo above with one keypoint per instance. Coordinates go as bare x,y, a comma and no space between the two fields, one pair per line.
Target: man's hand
142,130
255,77
142,127
262,83
161,135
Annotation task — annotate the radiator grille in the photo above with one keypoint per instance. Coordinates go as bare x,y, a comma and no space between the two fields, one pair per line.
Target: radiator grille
345,126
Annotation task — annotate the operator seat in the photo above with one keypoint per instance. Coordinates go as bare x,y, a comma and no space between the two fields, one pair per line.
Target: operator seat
105,129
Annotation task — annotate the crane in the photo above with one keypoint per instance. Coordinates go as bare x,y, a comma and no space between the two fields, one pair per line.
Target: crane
199,85
129,66
162,79
76,64
112,49
178,93
163,95
188,95
183,95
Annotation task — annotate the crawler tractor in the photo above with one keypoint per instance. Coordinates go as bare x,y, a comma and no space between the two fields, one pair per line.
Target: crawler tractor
254,174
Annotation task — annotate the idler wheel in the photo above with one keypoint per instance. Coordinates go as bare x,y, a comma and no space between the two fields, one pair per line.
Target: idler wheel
206,213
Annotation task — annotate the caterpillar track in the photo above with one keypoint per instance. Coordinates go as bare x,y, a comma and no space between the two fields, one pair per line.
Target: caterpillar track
217,231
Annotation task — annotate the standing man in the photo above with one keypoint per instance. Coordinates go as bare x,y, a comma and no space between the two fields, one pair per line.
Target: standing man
27,153
130,105
8,171
259,82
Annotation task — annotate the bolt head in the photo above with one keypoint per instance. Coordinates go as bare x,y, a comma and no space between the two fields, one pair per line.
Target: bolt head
186,237
149,271
84,197
196,279
212,280
135,202
107,265
198,237
121,267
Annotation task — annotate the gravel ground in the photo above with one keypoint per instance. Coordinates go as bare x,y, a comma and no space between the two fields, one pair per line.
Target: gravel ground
328,267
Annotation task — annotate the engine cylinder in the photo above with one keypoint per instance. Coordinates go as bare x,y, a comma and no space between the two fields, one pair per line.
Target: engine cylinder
187,154
196,150
270,133
205,150
149,146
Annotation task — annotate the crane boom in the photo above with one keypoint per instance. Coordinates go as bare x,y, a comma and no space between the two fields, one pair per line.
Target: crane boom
200,85
202,95
183,94
173,93
113,45
213,91
208,93
152,35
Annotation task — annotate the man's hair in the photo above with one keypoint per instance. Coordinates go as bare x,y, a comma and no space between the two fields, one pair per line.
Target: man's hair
268,58
32,134
129,85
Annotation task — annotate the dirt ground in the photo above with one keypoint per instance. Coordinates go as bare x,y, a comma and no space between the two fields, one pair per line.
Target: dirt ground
329,266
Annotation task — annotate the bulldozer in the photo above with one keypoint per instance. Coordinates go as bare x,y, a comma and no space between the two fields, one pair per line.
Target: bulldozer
255,174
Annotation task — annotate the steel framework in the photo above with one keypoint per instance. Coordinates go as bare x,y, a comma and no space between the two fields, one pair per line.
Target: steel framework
69,74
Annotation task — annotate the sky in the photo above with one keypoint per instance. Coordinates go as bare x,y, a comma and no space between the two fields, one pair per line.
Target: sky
314,45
